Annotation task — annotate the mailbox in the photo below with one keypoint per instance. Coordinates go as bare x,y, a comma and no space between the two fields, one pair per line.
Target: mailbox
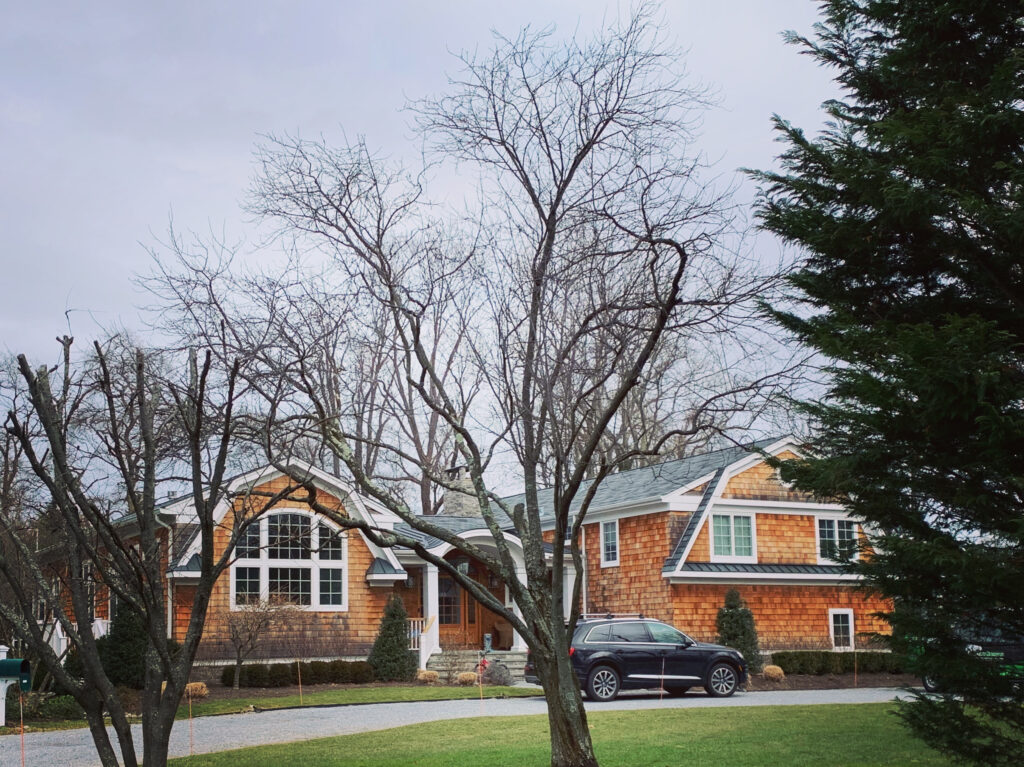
16,670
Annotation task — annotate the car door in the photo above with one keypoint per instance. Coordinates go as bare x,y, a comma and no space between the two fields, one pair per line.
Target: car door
681,665
634,651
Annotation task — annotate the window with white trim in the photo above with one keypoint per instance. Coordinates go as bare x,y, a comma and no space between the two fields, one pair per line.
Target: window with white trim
291,557
732,538
610,543
840,628
837,539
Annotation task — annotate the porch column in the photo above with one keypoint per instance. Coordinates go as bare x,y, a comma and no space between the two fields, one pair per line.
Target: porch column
430,640
518,643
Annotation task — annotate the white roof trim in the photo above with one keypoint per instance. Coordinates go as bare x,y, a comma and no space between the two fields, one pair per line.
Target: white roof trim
788,579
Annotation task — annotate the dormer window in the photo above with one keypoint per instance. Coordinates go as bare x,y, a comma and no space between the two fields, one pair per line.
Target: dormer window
732,538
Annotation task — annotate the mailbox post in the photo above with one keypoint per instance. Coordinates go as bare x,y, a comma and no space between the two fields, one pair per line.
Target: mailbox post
12,671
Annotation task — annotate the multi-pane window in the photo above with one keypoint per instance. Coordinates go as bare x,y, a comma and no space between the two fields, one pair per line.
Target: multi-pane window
247,585
288,536
610,543
301,561
330,543
248,546
332,586
841,629
732,536
290,585
837,539
448,612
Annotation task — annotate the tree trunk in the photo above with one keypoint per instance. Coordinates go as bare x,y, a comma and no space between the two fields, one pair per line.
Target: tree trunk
571,745
101,739
238,673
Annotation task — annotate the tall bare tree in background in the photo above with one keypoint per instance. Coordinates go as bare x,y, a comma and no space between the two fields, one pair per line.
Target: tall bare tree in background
90,444
596,310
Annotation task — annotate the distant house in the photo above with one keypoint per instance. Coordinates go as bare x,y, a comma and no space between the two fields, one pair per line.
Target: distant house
665,540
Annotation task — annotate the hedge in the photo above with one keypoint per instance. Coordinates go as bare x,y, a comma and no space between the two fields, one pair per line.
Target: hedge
286,674
828,662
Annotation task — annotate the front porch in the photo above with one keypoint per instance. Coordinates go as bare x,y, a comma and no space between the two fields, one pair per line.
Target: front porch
444,616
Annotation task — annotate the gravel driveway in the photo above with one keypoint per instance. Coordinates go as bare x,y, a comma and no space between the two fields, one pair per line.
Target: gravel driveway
218,733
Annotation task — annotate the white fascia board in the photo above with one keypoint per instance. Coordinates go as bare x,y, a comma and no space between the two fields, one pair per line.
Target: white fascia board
477,532
182,575
386,577
685,493
782,507
782,579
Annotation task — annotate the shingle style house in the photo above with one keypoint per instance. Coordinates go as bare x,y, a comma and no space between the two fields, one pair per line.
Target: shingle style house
665,540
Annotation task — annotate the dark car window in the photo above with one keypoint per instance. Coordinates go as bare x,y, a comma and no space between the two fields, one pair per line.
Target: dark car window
666,634
629,632
599,634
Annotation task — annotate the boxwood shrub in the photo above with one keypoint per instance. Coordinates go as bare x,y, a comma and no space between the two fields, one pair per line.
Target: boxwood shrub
285,674
829,662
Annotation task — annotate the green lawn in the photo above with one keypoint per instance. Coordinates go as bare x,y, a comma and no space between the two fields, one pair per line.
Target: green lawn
836,736
352,695
316,697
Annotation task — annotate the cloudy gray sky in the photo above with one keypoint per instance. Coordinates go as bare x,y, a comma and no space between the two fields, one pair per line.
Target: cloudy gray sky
114,116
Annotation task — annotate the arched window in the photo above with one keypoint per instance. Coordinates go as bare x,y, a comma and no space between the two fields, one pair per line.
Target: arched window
291,557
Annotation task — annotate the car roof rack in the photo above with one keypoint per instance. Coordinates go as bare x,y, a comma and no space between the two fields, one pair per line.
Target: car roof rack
609,616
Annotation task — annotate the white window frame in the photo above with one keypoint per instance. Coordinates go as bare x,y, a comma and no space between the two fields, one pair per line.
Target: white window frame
618,544
833,611
752,559
836,518
314,564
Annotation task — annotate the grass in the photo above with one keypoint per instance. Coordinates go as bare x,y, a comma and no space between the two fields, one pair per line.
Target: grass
331,697
862,735
350,696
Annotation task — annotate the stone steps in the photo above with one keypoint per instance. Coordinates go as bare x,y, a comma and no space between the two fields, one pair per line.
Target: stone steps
456,661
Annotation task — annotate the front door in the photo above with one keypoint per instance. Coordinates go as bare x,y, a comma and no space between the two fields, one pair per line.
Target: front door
458,615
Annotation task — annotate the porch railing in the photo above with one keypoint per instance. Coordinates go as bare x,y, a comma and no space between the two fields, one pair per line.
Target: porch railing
415,632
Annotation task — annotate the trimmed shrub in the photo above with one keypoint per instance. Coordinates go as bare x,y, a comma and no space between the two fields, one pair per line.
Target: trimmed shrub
124,653
280,674
227,676
320,672
827,662
361,672
466,678
340,673
61,707
774,673
735,624
391,658
427,677
196,690
255,675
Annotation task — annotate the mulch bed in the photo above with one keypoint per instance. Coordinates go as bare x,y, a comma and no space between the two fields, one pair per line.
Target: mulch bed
832,681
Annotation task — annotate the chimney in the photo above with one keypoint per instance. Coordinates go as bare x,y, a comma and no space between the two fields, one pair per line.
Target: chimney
460,502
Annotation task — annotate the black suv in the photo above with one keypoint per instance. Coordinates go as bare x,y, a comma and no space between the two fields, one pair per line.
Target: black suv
612,654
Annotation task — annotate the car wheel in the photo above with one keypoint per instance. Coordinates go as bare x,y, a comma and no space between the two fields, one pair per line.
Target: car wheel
722,681
603,684
676,691
930,684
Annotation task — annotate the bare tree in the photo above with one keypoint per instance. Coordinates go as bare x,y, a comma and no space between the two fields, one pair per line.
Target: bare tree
99,440
248,627
537,333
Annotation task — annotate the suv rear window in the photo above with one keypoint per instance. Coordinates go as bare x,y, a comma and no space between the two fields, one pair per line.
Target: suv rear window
628,632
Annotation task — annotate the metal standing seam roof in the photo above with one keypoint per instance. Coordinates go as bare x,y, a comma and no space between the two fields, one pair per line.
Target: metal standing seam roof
692,524
380,566
767,569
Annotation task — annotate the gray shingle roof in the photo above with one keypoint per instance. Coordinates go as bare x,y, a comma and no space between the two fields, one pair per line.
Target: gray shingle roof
452,524
650,482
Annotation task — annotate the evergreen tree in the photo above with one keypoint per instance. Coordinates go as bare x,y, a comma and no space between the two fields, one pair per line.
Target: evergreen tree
909,208
123,654
391,658
735,624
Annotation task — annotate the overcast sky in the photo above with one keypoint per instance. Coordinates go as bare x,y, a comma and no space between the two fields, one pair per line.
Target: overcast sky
113,116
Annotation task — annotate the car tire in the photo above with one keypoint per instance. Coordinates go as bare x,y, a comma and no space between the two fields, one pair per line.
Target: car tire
930,684
603,684
675,692
722,681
